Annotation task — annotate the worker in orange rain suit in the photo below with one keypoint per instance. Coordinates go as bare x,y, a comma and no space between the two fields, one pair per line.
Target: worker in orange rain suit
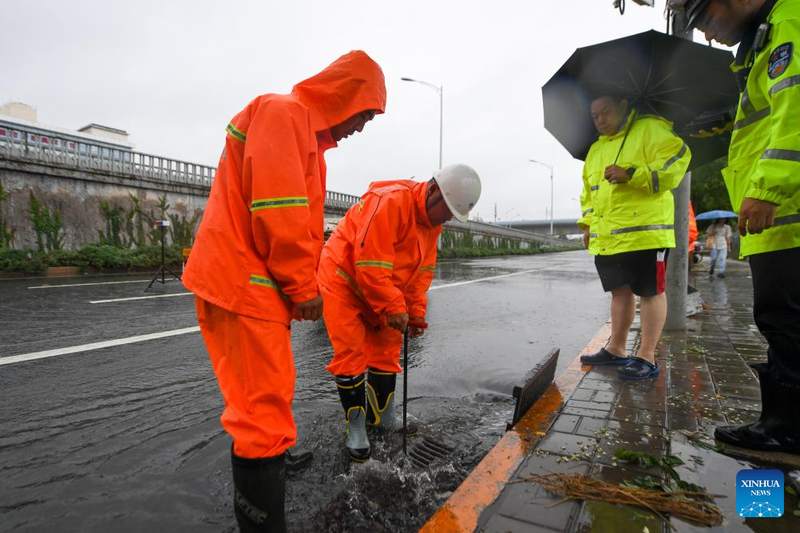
374,273
693,233
253,264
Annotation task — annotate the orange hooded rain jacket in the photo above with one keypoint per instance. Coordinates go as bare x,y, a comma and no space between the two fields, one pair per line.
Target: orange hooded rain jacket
259,243
379,261
260,240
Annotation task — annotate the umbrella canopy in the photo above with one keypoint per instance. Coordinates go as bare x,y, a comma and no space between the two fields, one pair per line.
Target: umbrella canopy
713,215
659,74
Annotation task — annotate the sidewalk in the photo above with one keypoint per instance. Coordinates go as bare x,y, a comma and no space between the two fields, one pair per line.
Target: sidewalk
589,413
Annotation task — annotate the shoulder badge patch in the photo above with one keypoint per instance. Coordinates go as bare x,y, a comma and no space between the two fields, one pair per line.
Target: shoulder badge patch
779,60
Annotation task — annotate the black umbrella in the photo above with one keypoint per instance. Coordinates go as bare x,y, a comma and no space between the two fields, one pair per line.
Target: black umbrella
684,82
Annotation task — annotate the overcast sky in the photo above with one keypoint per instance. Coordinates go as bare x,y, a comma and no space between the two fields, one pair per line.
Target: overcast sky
173,72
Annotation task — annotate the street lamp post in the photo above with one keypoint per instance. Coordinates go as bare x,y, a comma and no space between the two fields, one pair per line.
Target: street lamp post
440,91
551,197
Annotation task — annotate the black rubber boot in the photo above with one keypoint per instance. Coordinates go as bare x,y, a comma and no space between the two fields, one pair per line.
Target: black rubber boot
777,430
351,394
381,411
259,486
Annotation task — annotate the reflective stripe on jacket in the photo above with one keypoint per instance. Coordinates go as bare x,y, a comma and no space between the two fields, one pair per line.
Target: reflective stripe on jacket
383,253
639,214
259,243
764,155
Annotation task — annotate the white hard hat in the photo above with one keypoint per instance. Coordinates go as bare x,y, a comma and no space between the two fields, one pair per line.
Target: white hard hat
691,8
461,188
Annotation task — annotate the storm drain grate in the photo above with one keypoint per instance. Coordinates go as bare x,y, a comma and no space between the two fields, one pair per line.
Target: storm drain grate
426,450
536,383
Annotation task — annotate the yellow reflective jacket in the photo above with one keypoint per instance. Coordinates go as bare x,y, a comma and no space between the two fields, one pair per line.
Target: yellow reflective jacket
638,214
764,155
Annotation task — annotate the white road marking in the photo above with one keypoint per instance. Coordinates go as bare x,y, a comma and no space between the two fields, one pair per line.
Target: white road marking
85,284
94,346
141,298
484,279
141,338
431,289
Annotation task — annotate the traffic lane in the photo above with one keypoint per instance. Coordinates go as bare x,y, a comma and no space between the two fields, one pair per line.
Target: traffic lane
36,320
129,439
62,315
105,438
487,336
113,439
483,336
456,270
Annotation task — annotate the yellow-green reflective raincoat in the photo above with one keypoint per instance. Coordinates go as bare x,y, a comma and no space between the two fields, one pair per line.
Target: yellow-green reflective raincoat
638,214
764,156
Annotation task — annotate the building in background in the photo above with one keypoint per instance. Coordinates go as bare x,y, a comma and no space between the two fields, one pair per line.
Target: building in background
91,140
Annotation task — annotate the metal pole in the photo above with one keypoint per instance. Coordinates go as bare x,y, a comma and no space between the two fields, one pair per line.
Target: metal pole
439,89
441,121
405,389
551,199
163,281
678,262
551,208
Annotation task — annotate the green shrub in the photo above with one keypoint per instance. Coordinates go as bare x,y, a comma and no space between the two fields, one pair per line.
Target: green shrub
27,260
104,256
66,258
151,255
486,252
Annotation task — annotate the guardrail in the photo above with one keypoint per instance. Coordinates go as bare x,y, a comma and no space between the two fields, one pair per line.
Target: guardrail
492,230
56,149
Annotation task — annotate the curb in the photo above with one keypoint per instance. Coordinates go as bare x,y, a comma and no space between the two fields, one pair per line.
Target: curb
460,513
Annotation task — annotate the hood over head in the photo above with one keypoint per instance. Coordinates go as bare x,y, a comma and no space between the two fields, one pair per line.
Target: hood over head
351,84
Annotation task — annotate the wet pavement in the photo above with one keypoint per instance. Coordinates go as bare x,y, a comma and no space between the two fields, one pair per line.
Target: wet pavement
590,413
125,435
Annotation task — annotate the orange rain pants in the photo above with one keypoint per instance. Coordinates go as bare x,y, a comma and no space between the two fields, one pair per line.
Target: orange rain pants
358,342
253,362
379,261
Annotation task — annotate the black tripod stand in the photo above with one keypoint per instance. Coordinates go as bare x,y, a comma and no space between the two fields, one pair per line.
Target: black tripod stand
164,268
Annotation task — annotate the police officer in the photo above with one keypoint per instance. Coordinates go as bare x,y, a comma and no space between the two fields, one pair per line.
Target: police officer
763,179
628,221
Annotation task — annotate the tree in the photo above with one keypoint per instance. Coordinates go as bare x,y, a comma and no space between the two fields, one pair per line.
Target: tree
708,188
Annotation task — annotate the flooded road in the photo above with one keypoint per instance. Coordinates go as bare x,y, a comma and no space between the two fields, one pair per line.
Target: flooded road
124,435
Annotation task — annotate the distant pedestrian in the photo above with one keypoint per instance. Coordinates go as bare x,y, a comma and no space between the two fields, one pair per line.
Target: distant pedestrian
719,235
254,263
628,222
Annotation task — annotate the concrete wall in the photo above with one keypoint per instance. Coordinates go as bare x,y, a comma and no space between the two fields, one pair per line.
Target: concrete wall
78,196
76,184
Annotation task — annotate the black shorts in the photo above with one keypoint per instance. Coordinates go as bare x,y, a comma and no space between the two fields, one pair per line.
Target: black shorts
645,271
